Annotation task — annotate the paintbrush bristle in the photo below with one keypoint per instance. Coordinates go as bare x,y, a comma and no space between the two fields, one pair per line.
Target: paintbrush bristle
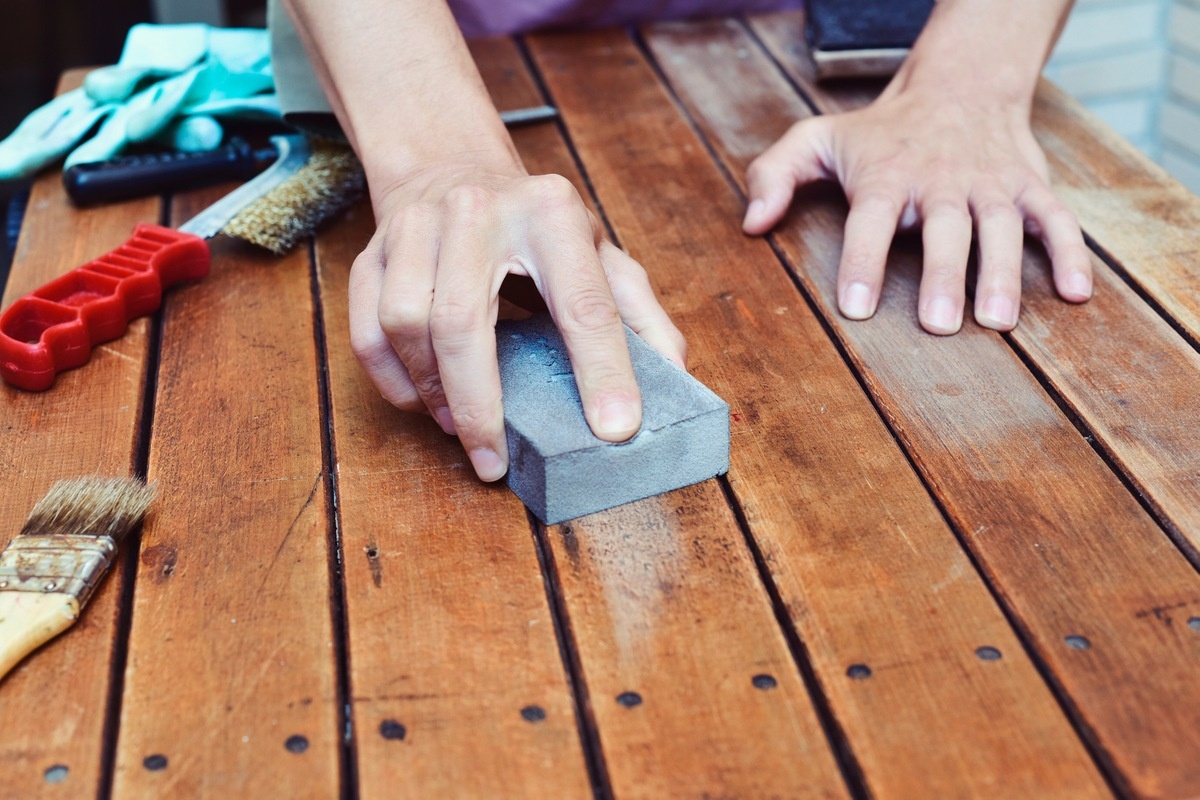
90,507
331,181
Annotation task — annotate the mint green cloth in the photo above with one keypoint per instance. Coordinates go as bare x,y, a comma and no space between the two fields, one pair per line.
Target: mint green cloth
172,83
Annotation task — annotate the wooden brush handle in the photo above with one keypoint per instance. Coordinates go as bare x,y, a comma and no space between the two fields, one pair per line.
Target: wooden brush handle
30,619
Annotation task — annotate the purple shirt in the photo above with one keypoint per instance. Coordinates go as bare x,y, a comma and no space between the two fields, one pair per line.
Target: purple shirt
491,17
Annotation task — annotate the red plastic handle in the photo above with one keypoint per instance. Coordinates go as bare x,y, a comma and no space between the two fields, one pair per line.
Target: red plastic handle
53,328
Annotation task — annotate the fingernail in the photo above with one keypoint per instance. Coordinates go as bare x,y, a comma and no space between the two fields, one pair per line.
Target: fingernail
1079,285
618,418
487,463
943,316
999,311
856,301
753,212
445,419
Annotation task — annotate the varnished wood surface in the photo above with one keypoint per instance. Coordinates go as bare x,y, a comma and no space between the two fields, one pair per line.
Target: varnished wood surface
938,567
231,671
800,405
54,708
1019,481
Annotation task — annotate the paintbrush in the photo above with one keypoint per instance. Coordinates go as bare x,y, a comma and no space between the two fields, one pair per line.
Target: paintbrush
50,571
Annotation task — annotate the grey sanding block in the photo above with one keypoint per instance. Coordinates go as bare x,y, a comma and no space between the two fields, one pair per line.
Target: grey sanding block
559,469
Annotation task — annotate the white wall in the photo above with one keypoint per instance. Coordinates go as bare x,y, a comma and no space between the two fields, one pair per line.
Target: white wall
1136,65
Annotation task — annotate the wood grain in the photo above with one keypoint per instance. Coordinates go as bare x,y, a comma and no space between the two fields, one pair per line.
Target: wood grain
459,688
230,688
1119,365
867,569
672,627
53,706
1065,546
1141,217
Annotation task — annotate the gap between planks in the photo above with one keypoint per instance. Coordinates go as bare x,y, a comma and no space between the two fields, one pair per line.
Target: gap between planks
559,52
958,528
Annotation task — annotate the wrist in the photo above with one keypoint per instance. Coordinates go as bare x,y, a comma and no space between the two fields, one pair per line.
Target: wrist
418,178
983,52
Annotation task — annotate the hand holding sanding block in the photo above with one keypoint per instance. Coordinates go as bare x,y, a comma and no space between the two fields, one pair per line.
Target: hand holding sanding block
560,469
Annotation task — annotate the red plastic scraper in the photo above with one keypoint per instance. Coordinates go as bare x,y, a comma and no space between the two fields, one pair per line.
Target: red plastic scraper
54,328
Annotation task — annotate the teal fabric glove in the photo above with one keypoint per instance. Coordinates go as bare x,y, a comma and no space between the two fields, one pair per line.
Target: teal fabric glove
172,84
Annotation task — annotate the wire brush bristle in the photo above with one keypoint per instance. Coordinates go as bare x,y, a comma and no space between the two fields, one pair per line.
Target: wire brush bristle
331,181
90,507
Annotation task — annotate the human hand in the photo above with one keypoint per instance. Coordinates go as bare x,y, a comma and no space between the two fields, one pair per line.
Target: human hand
916,157
424,300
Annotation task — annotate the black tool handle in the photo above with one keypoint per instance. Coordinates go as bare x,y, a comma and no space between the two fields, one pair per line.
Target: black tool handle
156,173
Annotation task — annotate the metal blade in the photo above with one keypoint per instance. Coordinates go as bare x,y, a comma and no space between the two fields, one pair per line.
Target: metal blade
293,154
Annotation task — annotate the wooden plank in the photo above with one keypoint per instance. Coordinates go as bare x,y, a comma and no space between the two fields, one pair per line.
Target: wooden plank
53,707
1115,346
452,646
1063,543
230,688
1143,218
698,729
458,685
866,567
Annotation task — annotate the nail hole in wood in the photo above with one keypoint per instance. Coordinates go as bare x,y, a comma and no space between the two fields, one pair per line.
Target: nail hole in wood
533,713
1078,642
296,744
372,552
859,672
988,654
155,762
391,729
629,699
763,682
56,774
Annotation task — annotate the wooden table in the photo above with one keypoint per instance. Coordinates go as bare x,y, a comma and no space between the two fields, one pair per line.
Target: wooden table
939,567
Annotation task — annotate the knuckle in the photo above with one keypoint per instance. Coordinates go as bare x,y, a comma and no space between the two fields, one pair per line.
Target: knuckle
993,207
860,265
944,275
371,351
553,189
409,220
403,399
591,308
801,130
947,206
450,320
468,199
759,168
876,202
402,316
476,419
427,384
1060,217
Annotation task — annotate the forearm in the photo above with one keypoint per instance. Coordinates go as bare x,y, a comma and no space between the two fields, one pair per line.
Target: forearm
988,50
403,86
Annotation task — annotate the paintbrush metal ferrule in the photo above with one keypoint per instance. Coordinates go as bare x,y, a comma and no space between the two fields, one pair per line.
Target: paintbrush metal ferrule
70,564
50,571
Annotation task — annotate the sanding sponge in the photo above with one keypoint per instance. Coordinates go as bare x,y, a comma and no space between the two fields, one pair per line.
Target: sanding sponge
560,469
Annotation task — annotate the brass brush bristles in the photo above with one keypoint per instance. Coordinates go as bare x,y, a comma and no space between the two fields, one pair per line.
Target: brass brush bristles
90,507
331,181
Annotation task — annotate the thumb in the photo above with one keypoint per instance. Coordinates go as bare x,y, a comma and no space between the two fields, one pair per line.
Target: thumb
796,159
